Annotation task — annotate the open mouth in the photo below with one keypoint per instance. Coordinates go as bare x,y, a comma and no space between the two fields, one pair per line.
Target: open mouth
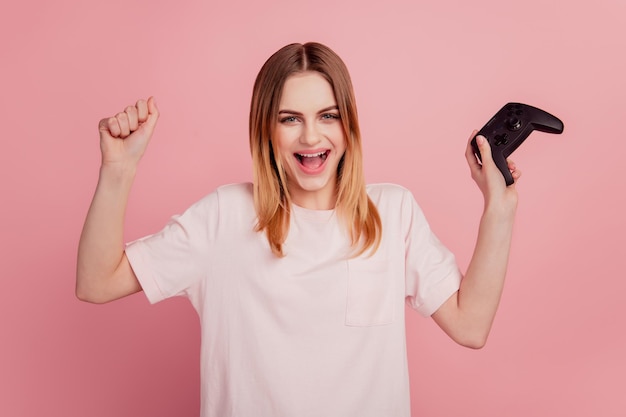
312,160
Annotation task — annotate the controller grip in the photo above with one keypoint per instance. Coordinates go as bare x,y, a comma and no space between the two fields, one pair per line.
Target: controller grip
498,158
503,166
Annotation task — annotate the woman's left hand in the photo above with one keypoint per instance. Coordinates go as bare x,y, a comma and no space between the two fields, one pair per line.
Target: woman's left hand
488,177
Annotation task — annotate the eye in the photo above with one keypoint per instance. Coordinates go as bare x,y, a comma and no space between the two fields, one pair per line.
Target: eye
289,119
330,116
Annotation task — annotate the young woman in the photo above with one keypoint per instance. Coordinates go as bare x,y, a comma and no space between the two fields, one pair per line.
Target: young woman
300,278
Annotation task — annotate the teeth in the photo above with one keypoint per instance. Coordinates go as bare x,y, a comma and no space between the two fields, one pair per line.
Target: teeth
315,155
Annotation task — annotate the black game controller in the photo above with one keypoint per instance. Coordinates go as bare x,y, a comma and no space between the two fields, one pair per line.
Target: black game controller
510,127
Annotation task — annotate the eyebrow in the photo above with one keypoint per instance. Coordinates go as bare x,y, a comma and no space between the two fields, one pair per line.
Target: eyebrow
297,113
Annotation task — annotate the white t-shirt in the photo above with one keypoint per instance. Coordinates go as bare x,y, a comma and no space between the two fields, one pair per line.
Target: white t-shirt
314,333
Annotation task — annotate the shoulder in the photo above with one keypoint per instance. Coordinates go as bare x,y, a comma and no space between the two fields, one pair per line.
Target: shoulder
239,192
385,194
235,193
236,204
230,198
395,203
385,187
224,210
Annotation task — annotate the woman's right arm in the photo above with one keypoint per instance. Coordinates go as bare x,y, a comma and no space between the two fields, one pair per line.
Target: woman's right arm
103,272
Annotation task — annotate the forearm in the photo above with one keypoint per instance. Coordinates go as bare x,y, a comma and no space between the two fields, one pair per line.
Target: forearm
101,245
481,288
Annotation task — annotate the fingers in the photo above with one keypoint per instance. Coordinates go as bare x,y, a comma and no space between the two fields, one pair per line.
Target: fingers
152,115
109,126
476,165
471,157
485,149
131,119
132,116
124,124
152,108
515,172
142,111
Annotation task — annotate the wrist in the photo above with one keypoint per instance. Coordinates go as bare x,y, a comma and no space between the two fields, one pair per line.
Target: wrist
118,169
117,173
501,210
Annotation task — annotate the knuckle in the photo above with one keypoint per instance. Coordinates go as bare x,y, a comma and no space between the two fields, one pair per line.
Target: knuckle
112,125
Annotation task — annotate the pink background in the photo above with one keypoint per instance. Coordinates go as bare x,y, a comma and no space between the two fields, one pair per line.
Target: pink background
425,75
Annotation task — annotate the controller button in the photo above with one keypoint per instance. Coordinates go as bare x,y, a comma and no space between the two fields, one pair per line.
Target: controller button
513,123
501,139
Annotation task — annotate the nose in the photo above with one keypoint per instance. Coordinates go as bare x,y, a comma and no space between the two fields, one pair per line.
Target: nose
310,135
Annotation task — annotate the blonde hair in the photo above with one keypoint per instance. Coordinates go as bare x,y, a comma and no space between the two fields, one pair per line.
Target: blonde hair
271,196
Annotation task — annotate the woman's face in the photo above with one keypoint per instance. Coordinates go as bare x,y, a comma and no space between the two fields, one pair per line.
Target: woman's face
309,140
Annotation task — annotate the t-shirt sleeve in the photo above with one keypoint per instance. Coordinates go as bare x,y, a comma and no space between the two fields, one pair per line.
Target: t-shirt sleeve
170,262
431,271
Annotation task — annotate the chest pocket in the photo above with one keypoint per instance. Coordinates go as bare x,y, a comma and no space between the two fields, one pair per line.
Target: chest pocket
370,298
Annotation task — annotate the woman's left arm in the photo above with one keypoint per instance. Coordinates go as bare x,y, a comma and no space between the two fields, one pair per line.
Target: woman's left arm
468,314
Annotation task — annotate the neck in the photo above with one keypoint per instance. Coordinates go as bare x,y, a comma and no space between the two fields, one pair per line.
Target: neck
314,200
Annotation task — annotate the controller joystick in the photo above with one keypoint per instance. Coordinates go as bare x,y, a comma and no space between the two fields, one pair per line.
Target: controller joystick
513,123
510,126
